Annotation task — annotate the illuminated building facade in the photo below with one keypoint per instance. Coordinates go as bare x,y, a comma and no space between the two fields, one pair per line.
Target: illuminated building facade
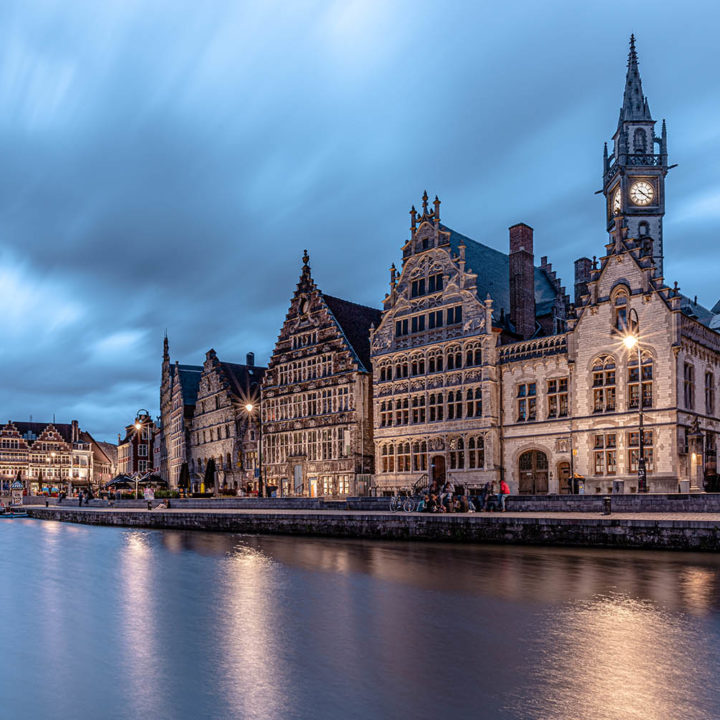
317,408
483,369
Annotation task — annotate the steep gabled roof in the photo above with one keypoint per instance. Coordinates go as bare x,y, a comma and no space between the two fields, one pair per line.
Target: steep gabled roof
492,268
37,428
355,321
693,309
189,376
242,377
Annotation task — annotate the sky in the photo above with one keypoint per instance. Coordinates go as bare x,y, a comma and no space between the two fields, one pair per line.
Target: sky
164,163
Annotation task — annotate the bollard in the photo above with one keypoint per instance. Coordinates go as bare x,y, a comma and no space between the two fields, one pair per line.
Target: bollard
168,504
149,504
607,500
47,503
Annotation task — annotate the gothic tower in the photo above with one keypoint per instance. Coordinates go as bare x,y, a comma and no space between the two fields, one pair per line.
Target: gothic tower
634,174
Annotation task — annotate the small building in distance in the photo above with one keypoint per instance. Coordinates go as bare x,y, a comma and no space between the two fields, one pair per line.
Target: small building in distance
317,396
135,450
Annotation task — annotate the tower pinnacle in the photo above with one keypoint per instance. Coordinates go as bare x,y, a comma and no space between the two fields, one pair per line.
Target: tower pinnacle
635,104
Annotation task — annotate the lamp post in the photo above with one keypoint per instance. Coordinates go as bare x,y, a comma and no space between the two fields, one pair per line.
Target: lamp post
631,340
250,409
139,426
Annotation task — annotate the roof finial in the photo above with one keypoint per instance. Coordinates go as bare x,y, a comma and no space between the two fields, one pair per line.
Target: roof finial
436,203
305,258
425,199
166,347
413,218
635,105
632,55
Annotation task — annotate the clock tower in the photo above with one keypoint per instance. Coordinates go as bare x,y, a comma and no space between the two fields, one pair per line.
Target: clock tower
634,174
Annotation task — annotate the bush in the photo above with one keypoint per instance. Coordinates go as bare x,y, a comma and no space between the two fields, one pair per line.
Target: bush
167,494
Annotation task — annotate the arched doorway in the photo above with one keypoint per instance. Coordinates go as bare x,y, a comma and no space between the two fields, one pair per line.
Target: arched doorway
437,466
533,472
563,476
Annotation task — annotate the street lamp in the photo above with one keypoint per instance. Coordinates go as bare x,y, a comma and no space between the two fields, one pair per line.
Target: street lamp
139,425
250,409
632,340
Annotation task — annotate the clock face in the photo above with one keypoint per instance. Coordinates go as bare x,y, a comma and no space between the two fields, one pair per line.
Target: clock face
616,202
642,192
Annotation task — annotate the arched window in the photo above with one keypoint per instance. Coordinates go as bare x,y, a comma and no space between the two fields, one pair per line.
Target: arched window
634,381
620,310
473,355
457,454
419,455
401,368
454,358
689,386
604,384
476,452
709,393
640,141
417,365
473,402
435,361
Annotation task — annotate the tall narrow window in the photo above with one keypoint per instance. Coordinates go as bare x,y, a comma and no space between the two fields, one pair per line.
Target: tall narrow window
526,402
639,141
604,384
689,386
454,405
709,393
476,452
403,457
557,398
634,450
605,453
457,454
634,382
473,398
621,312
419,455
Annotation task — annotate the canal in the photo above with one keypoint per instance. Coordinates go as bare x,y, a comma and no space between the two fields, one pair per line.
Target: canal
113,623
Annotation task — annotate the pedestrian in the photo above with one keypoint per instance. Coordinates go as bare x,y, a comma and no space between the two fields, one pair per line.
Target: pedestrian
80,499
504,491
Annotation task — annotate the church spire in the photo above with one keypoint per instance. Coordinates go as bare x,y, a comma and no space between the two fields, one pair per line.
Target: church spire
166,348
635,105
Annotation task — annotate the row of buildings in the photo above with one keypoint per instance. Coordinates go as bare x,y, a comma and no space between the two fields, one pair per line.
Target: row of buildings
53,456
480,366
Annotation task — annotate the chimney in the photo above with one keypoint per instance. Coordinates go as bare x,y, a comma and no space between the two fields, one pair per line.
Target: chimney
582,277
75,431
250,359
522,280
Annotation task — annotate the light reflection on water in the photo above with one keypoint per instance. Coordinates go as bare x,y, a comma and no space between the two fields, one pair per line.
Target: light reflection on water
183,625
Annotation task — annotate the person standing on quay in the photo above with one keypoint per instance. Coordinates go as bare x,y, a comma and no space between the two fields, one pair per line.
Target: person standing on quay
504,491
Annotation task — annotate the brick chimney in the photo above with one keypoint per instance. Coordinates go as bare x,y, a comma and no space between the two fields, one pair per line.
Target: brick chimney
522,280
582,277
250,359
75,431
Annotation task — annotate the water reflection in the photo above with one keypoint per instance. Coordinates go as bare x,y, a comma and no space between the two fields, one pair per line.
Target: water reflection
184,625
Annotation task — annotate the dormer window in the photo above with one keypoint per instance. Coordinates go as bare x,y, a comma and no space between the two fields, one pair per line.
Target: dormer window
620,302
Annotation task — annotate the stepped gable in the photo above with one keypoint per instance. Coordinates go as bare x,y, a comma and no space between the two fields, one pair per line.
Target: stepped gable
355,322
492,268
37,428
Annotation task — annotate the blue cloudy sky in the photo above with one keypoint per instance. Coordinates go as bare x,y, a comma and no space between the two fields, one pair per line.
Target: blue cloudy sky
163,163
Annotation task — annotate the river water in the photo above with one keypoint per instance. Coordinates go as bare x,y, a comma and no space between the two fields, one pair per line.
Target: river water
115,623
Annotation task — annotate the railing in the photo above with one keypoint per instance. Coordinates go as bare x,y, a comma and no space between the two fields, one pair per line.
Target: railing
540,347
637,160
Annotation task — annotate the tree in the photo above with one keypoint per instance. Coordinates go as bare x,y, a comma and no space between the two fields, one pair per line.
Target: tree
209,478
184,479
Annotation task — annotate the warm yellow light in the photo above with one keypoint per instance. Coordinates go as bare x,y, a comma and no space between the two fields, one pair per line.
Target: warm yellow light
630,341
138,426
249,407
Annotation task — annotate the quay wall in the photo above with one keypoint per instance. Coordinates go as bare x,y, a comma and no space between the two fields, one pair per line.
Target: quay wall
600,531
622,503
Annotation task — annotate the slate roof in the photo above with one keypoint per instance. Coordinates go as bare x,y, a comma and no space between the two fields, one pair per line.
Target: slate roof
109,450
355,321
709,318
492,268
64,429
242,377
189,382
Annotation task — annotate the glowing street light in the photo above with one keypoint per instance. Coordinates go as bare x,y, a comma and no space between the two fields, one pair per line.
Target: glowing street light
250,410
632,340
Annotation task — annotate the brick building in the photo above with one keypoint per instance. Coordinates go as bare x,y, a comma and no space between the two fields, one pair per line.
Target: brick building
135,450
317,406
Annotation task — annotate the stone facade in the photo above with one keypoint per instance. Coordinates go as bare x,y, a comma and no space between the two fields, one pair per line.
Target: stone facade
47,455
317,409
559,391
223,430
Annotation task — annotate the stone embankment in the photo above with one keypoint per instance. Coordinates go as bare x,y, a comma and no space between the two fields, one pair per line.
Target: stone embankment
679,531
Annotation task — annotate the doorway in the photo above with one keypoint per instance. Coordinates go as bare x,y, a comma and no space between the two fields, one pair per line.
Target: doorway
533,472
313,483
437,466
564,481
